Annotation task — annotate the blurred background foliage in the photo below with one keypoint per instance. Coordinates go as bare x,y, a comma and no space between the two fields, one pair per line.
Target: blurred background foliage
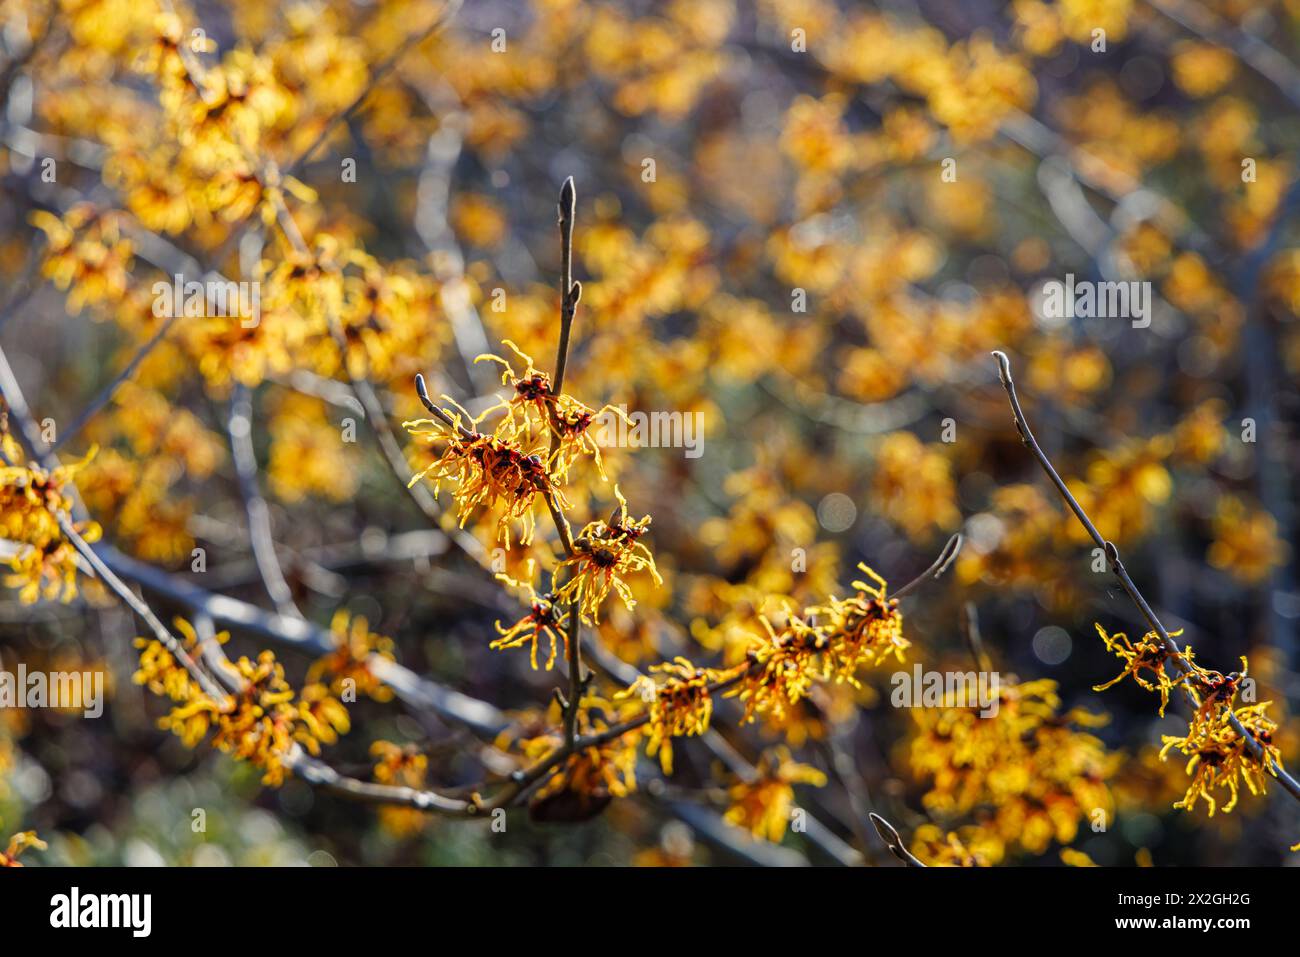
765,238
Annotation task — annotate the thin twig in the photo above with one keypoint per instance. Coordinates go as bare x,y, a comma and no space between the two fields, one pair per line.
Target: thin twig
527,776
419,693
240,430
105,395
889,834
321,775
971,629
570,293
139,606
1121,574
936,569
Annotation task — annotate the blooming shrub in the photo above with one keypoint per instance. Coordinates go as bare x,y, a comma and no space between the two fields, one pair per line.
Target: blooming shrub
301,404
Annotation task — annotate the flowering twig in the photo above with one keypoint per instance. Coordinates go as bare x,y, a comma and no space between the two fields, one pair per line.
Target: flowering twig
109,564
1175,654
523,779
570,293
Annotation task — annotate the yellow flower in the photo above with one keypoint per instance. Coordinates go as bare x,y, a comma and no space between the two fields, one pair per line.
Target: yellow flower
307,456
590,777
487,471
763,806
403,767
782,668
1201,69
45,564
535,409
545,620
479,220
862,630
1149,654
967,847
259,723
1245,543
913,485
604,553
348,665
1081,17
1038,772
1219,758
827,641
87,256
680,705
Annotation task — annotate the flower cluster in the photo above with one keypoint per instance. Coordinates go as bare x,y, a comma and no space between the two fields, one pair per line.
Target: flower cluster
1028,774
348,666
534,408
87,255
863,629
590,777
402,767
45,562
259,723
215,119
487,471
1219,757
530,407
763,805
605,552
680,704
1149,654
969,846
831,641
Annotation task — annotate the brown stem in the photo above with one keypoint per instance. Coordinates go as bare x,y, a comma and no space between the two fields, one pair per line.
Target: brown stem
1121,574
570,292
889,834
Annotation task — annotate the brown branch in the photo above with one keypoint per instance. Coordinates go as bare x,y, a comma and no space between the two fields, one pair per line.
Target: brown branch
319,774
524,778
1121,574
570,293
